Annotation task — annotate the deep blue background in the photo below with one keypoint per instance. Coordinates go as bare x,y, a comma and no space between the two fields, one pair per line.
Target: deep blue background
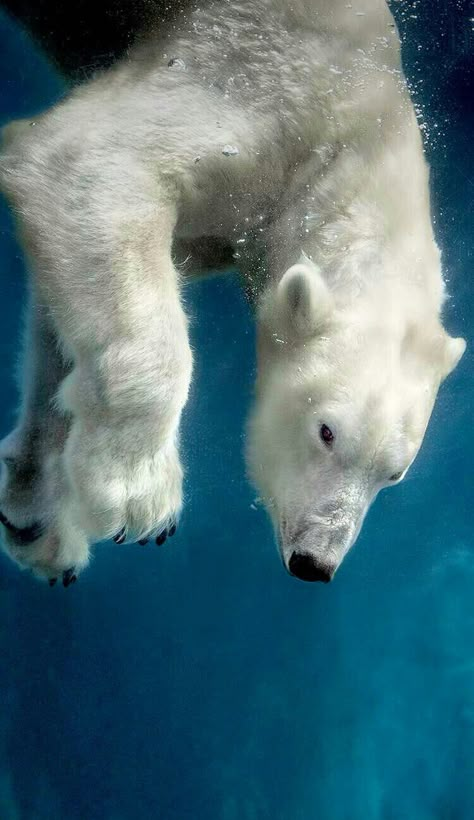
198,680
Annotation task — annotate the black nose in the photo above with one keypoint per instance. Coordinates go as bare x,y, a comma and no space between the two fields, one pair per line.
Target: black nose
307,568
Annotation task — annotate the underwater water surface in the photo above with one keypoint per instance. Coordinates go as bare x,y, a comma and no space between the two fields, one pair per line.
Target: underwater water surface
199,681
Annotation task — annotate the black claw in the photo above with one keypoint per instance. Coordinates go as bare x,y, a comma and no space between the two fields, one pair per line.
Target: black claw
143,541
52,581
172,530
22,535
69,577
161,538
120,536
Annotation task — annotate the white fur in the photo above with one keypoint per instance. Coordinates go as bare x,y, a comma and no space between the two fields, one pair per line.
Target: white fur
330,165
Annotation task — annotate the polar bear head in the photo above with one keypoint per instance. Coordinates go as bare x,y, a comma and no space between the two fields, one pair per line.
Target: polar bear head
343,399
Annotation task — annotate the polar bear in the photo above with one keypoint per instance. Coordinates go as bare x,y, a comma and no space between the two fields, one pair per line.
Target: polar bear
285,131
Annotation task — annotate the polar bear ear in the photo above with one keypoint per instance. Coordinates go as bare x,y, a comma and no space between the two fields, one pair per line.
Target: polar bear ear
303,298
453,351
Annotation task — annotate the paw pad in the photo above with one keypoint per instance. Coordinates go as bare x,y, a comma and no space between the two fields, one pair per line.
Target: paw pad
22,535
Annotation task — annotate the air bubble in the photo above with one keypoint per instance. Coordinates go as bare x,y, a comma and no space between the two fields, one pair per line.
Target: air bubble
177,63
230,151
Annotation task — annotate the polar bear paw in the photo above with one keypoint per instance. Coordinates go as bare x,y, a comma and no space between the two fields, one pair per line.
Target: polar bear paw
37,529
123,485
51,548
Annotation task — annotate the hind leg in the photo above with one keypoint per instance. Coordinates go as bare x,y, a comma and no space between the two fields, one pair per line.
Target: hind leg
36,532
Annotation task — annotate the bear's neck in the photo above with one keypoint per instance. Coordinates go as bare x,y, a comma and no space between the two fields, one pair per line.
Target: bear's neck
366,224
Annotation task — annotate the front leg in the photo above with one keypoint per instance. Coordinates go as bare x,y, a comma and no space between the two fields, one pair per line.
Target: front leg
129,383
35,532
99,241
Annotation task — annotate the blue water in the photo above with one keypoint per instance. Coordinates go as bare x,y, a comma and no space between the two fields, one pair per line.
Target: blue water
198,680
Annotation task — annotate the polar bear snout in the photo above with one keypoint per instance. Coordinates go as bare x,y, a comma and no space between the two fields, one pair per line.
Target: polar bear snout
308,567
314,549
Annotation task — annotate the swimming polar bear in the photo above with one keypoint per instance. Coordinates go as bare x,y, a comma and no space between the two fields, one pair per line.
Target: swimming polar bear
284,130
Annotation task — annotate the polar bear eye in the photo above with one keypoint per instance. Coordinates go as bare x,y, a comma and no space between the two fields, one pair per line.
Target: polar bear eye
326,434
396,476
